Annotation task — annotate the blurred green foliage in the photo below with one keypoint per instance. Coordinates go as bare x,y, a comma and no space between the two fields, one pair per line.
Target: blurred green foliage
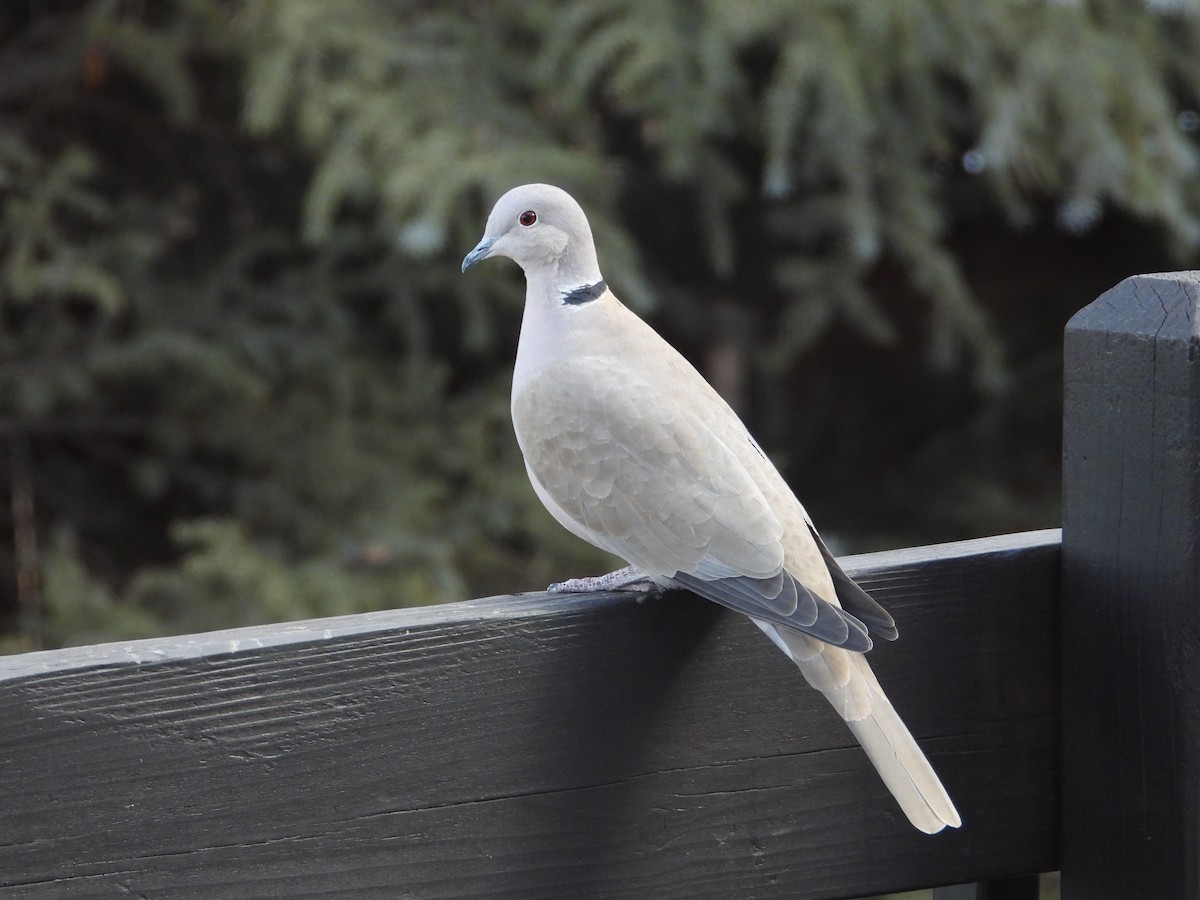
241,378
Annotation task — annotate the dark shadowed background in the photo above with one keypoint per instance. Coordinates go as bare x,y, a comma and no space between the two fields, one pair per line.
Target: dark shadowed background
242,379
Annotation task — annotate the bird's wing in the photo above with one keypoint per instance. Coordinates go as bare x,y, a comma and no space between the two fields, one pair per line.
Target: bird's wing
853,598
647,474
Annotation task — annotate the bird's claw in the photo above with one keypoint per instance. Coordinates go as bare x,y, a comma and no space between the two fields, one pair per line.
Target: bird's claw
627,579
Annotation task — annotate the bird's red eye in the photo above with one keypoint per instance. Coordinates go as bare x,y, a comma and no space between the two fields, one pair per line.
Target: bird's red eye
527,218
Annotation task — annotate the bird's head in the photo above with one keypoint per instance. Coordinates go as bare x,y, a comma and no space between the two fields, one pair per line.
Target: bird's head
543,230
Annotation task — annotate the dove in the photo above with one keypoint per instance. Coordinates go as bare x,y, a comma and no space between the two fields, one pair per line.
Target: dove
630,449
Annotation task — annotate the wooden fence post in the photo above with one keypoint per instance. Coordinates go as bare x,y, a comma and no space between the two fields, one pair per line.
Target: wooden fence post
1131,593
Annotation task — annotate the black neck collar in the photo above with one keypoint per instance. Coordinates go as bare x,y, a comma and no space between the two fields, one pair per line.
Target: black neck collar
585,294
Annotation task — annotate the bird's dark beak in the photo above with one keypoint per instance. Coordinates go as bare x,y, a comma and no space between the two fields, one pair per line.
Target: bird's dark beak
481,251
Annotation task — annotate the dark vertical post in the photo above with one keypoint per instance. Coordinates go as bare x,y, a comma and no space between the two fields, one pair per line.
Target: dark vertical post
1131,593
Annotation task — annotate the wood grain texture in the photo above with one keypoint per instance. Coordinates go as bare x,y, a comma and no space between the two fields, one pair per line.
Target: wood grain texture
1131,604
537,746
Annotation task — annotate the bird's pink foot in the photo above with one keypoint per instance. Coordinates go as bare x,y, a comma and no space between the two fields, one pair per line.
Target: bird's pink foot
629,578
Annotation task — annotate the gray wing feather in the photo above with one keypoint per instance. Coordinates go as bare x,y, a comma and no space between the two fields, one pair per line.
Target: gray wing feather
854,599
746,595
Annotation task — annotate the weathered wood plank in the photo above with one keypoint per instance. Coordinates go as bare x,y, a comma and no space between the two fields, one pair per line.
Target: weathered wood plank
536,747
1131,602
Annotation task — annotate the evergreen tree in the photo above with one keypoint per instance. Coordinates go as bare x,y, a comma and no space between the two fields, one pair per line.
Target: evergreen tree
241,378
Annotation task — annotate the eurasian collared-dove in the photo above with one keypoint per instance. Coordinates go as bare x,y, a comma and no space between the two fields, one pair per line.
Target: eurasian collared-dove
630,449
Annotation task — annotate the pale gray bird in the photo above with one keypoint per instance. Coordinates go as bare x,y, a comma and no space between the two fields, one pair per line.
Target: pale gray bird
632,450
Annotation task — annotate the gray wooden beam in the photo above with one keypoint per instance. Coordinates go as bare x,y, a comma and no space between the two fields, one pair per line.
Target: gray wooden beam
536,746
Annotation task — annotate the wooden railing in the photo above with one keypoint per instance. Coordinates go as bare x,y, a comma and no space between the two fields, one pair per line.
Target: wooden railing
605,746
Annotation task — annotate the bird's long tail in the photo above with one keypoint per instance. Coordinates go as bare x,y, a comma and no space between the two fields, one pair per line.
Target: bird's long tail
846,680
